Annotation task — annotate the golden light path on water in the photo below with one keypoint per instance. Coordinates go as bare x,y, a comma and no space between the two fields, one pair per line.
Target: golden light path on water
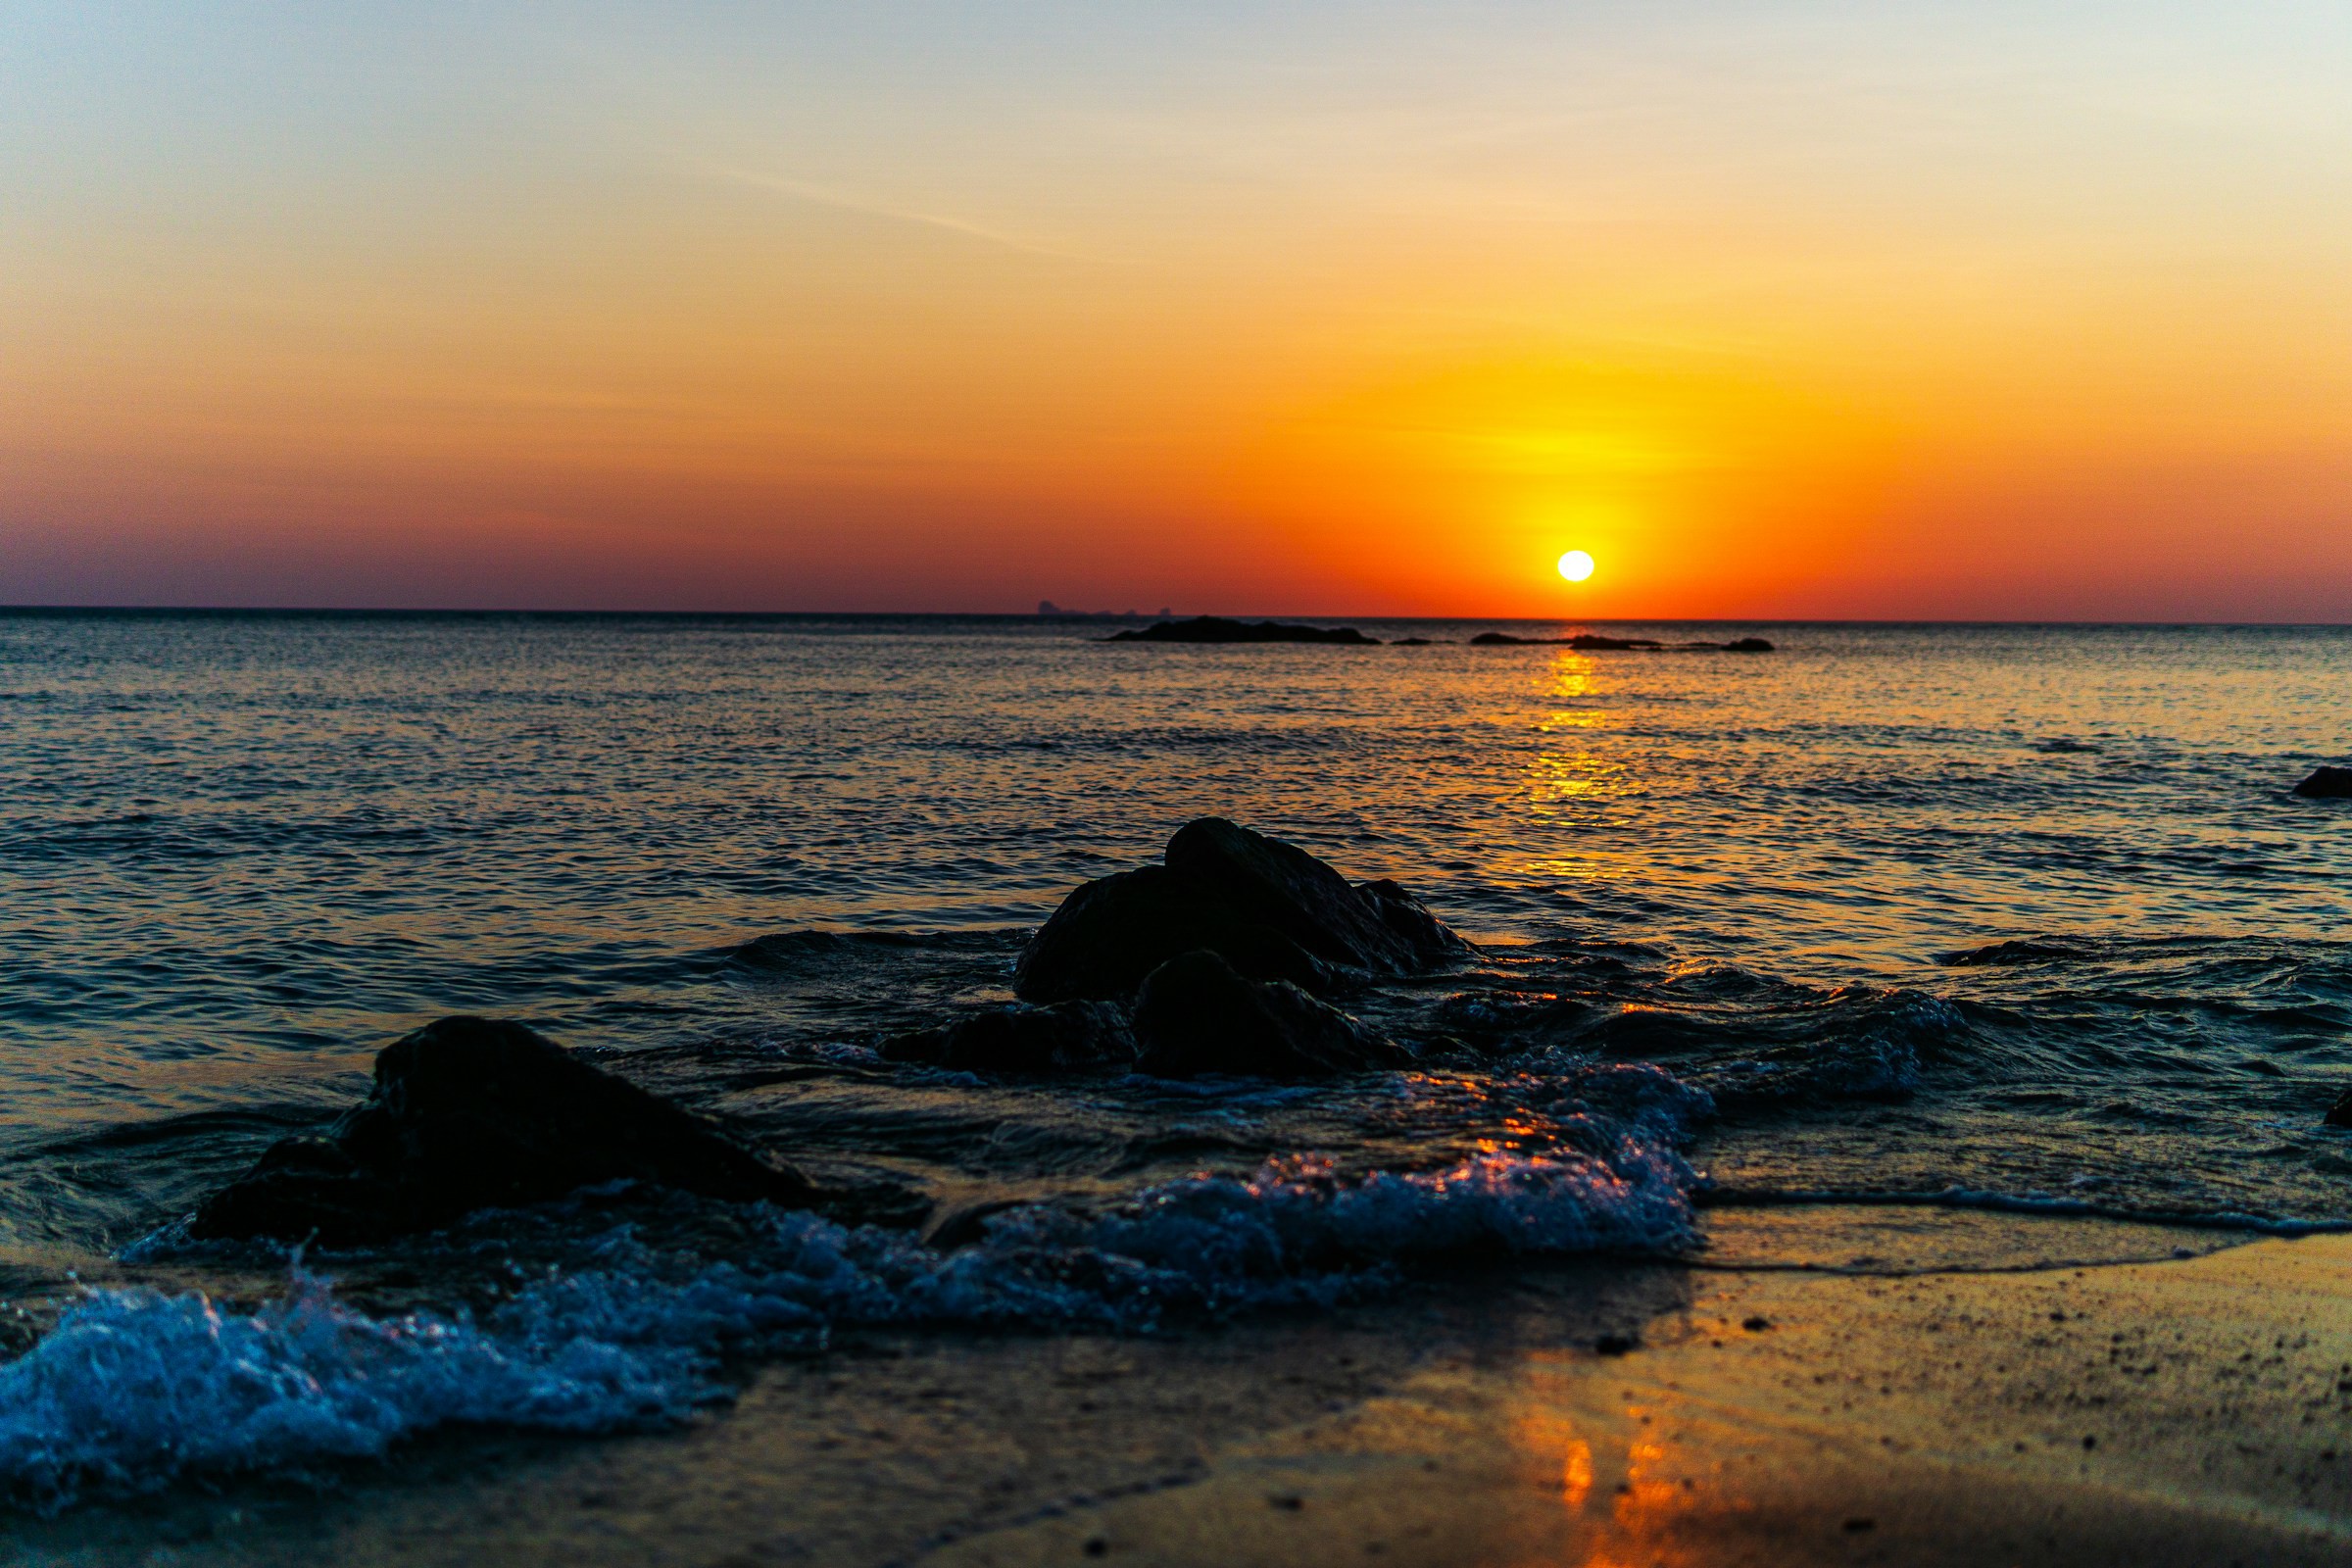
1564,772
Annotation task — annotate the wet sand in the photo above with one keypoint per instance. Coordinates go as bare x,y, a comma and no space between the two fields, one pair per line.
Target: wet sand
2193,1410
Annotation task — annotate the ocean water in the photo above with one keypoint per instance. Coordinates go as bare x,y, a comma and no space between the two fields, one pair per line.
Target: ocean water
2017,917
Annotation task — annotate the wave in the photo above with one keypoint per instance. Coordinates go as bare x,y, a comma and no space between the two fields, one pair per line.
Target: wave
134,1388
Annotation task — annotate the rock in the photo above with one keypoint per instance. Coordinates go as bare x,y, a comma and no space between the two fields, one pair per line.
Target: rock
1286,888
474,1114
1271,910
1113,931
1582,639
2017,951
2327,784
1196,1014
1432,942
1594,642
1409,642
1217,629
2339,1115
1066,1037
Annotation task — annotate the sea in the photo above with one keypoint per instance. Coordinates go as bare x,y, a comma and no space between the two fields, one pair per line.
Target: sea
1951,920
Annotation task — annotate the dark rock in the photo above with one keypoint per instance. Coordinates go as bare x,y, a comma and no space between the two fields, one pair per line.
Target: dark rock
1112,932
1584,639
1196,1014
1066,1037
1288,889
2327,784
1270,910
474,1114
1616,1344
1409,642
1594,642
1429,940
1217,629
2339,1115
2017,951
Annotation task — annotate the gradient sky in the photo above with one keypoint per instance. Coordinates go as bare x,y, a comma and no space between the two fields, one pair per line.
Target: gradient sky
1780,310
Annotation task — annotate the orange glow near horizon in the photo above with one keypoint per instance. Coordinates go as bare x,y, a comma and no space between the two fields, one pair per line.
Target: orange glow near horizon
1343,313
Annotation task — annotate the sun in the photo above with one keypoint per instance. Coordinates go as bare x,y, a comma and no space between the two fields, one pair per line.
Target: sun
1576,565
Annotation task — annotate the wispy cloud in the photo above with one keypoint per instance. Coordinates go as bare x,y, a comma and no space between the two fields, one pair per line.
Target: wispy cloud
846,201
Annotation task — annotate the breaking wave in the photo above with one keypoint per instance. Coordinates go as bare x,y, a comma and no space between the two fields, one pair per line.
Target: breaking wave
134,1388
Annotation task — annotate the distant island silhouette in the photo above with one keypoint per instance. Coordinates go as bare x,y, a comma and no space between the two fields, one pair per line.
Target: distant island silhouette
1596,641
1220,629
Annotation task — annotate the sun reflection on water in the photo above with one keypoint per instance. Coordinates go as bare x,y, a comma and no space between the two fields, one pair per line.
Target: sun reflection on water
1567,773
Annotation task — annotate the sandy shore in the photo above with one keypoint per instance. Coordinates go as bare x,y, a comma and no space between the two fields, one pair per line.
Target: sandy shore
2193,1410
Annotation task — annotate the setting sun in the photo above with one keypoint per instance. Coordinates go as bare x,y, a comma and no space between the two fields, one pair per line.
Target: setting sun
1576,565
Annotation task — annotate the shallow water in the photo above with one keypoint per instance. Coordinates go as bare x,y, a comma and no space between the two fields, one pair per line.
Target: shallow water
1717,898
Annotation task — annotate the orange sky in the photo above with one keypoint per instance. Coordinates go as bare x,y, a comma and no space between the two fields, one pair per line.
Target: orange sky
1779,311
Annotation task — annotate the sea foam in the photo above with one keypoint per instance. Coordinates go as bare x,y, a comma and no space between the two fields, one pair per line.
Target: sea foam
134,1388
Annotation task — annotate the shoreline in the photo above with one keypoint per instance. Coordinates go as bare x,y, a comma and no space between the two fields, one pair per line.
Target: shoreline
1467,1419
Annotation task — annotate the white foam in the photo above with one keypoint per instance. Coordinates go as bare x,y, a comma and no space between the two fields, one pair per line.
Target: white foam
134,1388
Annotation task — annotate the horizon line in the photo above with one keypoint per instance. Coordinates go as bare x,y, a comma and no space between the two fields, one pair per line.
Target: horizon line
1070,616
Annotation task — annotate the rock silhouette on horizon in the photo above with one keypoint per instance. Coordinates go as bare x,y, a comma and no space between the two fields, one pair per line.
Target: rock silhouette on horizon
1218,629
1595,642
471,1114
1270,909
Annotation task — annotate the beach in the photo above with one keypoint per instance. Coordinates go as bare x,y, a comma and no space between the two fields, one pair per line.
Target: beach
2182,1411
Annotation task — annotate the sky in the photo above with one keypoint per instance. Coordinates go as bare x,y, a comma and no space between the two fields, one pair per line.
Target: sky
1982,311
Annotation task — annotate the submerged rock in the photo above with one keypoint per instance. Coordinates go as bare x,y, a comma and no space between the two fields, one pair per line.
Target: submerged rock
474,1114
1218,629
2327,784
1066,1037
2017,951
2339,1115
1197,1013
1271,910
